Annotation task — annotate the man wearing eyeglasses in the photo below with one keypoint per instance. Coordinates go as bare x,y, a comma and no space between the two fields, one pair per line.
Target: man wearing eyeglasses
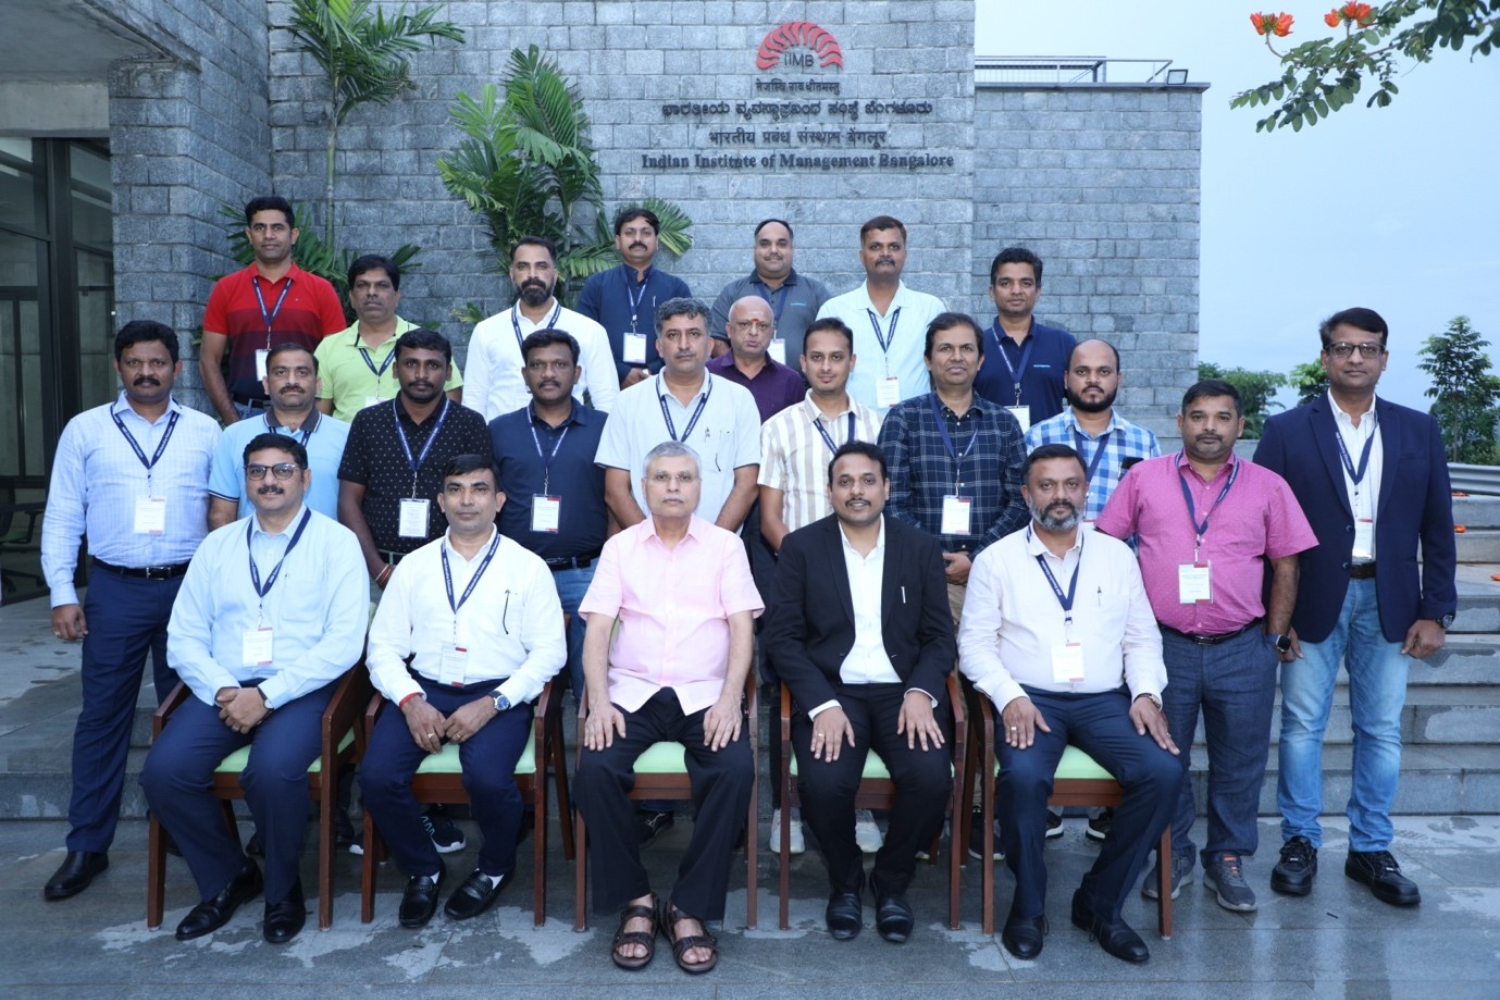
1373,479
270,616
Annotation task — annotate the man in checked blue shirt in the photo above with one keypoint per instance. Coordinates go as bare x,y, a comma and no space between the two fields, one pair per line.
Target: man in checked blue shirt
271,614
143,505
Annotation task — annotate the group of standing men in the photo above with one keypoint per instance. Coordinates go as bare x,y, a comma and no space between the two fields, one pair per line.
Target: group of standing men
920,490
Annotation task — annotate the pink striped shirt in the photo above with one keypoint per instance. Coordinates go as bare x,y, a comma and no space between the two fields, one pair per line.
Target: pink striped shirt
1259,519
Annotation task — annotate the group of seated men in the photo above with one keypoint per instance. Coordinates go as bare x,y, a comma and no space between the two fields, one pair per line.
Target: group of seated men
889,518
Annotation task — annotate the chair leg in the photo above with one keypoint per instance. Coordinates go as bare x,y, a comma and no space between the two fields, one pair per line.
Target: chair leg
785,850
580,876
368,868
539,847
955,850
1164,890
752,838
987,826
327,792
156,873
560,779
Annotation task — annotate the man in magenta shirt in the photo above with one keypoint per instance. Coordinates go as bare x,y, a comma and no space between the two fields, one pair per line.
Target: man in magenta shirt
1207,523
670,629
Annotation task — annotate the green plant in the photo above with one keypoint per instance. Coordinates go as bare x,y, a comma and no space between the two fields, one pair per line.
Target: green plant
526,167
1256,391
1463,391
364,57
1310,380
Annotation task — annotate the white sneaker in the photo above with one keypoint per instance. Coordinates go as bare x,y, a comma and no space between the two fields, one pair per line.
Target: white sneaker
795,842
866,834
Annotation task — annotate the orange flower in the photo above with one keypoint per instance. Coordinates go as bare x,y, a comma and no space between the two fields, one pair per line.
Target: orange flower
1359,12
1283,25
1263,23
1332,18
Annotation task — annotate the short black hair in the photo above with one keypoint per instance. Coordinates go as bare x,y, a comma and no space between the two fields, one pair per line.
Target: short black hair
270,203
1016,255
881,222
1091,340
865,448
780,222
424,340
828,324
534,241
1211,387
462,465
1358,317
143,331
281,442
1049,451
547,338
947,321
681,306
631,214
375,262
283,348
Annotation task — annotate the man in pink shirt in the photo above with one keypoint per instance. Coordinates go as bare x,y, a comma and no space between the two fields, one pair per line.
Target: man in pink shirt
1207,523
670,630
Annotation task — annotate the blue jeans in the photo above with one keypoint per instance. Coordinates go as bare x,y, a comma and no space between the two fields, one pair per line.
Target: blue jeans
1377,692
571,585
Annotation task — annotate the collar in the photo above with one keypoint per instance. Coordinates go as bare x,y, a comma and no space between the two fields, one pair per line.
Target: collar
1344,418
693,529
1116,422
402,412
291,525
1002,338
628,273
725,362
1035,546
879,548
389,344
547,309
1183,463
295,272
790,280
448,541
945,408
575,415
817,414
897,300
309,424
662,392
122,406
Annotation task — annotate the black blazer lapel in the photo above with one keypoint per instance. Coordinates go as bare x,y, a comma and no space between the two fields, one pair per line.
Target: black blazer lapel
837,569
1390,452
1324,431
890,575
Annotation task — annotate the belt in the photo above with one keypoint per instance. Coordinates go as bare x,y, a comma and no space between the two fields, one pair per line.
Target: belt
254,404
574,562
144,572
1362,571
1212,640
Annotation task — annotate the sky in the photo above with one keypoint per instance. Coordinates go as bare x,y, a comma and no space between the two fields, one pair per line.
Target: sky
1396,209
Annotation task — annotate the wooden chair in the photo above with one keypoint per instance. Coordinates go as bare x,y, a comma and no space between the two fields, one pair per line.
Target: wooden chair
1078,781
878,791
439,779
338,742
661,773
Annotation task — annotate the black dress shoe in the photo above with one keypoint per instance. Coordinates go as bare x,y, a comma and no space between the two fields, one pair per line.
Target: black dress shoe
1379,871
419,901
1022,936
211,914
845,914
75,873
1116,938
284,920
477,894
1298,866
893,916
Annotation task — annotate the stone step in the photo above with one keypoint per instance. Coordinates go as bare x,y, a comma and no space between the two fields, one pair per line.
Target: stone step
1431,715
1479,545
1477,511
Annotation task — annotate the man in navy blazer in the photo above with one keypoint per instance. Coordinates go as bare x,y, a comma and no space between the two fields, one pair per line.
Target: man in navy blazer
859,630
1372,479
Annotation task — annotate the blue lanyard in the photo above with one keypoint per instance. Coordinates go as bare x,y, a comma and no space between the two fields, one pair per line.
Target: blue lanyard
261,590
780,300
1187,495
635,300
515,324
885,340
666,414
369,363
135,446
1016,371
473,580
546,459
303,436
270,317
1093,467
416,464
1364,458
828,438
1066,600
958,460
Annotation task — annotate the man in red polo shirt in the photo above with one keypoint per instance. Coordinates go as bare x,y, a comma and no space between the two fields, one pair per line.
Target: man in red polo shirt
270,303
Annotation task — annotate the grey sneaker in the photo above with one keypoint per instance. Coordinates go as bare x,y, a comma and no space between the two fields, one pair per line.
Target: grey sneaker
1226,877
1182,874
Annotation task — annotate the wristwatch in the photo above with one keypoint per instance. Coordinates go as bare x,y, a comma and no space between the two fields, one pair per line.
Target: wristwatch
1282,642
501,702
1446,621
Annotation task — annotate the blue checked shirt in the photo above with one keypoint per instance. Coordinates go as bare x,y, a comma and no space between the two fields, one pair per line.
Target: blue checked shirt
923,472
1126,440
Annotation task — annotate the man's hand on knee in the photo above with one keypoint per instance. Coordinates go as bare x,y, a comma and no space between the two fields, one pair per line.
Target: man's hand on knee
1021,720
427,724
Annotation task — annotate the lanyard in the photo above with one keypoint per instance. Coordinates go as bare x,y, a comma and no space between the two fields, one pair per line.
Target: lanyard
1187,495
473,580
547,459
1016,371
666,414
1093,466
515,324
270,317
1066,600
416,464
780,300
370,362
135,446
958,460
829,439
635,300
885,339
302,436
262,589
1364,458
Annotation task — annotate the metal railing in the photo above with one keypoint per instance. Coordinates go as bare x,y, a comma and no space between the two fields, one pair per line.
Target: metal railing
1481,479
1068,69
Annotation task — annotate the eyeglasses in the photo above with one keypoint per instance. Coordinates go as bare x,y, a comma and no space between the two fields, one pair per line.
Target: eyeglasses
282,470
1342,350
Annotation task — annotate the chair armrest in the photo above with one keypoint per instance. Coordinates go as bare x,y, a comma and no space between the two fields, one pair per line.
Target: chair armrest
983,709
786,714
752,707
960,716
343,712
372,713
174,700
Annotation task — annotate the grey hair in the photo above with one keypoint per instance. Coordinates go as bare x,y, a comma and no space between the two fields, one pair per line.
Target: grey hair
671,449
681,306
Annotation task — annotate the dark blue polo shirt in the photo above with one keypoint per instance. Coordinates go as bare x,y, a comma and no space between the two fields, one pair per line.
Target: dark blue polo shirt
1041,382
583,520
607,296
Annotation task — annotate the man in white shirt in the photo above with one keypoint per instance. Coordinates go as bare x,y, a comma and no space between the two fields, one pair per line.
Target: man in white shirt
889,319
495,385
479,616
1056,627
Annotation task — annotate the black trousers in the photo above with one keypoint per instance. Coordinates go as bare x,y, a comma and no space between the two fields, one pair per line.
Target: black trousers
923,778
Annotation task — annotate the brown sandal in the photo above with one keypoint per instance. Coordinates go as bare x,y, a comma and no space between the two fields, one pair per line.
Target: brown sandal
682,945
624,937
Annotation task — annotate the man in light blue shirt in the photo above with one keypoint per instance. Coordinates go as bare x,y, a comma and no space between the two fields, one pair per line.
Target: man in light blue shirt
271,614
291,384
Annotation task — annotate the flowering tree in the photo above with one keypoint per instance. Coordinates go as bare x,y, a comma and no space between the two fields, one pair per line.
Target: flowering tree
1323,75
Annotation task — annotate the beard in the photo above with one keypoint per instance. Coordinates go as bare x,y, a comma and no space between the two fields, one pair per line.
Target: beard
1047,520
1091,406
535,295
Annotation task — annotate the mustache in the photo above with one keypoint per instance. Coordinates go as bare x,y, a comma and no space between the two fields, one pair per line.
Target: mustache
637,246
146,380
269,490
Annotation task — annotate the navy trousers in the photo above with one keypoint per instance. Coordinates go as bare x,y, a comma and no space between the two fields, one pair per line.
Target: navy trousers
488,759
127,618
1098,724
179,774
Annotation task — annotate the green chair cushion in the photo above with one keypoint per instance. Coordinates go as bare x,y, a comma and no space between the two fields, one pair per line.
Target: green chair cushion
874,767
445,761
662,758
235,762
1075,765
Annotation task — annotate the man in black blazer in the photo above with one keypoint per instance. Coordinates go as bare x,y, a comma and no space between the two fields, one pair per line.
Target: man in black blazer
1372,479
860,631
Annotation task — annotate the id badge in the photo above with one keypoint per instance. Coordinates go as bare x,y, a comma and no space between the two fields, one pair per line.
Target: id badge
1022,415
887,391
1364,538
778,351
150,515
545,513
372,401
414,520
956,512
256,649
1067,663
1194,585
452,664
635,348
261,354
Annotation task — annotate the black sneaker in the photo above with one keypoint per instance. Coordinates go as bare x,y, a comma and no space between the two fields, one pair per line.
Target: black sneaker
1054,825
1098,828
980,838
1298,866
445,834
1379,871
252,846
649,823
